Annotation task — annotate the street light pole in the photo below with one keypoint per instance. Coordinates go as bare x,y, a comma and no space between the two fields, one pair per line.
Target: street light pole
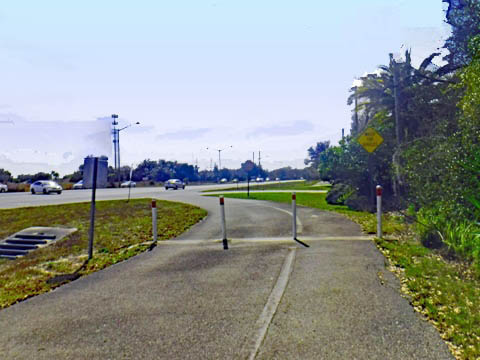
115,141
116,144
219,158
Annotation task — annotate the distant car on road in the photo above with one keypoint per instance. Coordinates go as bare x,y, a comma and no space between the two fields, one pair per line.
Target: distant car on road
223,181
128,184
3,188
277,179
235,180
45,187
78,185
174,184
260,179
267,179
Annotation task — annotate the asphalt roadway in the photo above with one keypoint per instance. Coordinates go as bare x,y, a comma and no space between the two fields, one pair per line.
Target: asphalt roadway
267,297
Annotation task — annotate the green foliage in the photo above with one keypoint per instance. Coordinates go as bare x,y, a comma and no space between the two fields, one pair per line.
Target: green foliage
5,176
339,193
314,153
464,18
437,227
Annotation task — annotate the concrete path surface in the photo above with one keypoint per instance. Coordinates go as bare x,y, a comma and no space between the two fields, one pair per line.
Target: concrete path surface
264,298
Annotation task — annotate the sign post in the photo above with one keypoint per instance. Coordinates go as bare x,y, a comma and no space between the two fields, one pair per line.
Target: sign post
92,208
370,140
248,168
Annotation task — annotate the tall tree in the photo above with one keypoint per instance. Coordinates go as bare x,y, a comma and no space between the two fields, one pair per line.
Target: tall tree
464,18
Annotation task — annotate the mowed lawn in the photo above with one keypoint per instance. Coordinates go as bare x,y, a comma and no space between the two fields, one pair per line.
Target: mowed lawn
122,229
291,185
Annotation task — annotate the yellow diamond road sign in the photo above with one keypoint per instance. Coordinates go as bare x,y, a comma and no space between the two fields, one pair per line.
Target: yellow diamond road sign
370,139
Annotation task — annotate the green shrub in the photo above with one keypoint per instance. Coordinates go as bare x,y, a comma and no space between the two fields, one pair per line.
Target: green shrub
437,228
339,193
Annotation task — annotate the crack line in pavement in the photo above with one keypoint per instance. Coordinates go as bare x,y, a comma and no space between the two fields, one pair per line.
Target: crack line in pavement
264,240
263,322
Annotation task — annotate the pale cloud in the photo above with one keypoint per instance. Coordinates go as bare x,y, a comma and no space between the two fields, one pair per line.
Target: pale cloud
293,129
185,135
32,145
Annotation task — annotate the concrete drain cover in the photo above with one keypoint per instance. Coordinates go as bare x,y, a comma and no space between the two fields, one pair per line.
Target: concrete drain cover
20,243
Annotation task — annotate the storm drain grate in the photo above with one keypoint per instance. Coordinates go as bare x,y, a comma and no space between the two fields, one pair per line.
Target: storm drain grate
21,243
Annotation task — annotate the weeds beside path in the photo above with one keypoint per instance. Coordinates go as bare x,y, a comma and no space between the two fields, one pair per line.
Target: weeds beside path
122,229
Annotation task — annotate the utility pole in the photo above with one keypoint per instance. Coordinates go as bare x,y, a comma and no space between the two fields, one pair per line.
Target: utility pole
398,130
115,143
219,158
259,159
253,157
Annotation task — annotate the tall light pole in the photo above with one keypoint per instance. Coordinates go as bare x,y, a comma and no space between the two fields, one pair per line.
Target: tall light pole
116,143
219,158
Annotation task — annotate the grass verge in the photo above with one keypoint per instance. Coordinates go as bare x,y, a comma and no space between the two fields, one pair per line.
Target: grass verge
391,224
122,230
293,185
446,292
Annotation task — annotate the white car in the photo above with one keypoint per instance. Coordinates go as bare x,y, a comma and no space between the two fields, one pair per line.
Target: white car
174,184
45,187
223,181
78,185
3,188
128,184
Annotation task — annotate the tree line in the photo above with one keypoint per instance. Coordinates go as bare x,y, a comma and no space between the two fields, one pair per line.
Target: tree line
160,171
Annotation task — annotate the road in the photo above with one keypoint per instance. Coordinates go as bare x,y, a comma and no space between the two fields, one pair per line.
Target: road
266,297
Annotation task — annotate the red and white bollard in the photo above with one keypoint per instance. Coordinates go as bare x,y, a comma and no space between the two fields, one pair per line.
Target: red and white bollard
379,211
294,216
224,225
154,220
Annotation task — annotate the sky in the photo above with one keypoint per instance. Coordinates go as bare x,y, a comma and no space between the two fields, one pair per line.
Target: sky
237,76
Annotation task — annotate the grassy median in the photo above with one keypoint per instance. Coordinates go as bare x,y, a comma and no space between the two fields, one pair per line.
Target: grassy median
122,229
443,288
291,185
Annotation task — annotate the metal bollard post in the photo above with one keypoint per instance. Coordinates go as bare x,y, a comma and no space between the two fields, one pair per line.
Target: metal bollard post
294,216
379,211
154,220
224,226
92,209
